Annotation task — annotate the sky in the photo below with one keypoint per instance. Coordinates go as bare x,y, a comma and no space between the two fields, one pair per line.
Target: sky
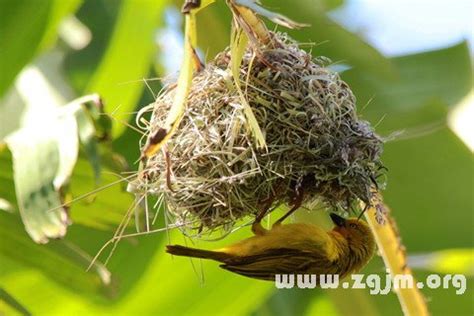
400,27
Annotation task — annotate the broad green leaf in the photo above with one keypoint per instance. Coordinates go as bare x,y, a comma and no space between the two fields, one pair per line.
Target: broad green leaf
100,207
36,163
444,74
10,301
445,301
430,178
22,25
322,305
98,16
71,259
332,4
172,284
289,302
7,187
127,61
215,21
59,10
44,155
103,211
220,293
26,28
357,302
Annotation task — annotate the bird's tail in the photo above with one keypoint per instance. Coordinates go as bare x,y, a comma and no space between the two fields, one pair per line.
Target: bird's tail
197,253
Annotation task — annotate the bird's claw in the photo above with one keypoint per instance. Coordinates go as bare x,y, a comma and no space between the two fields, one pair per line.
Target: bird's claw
258,229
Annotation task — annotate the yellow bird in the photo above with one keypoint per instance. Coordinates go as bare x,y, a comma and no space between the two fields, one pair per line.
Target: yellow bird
294,249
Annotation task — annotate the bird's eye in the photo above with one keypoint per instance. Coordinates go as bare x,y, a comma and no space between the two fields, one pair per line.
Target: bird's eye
352,225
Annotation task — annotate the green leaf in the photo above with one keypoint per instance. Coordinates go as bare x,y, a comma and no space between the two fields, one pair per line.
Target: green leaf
47,258
430,177
44,155
36,165
26,28
220,293
128,58
102,207
214,28
444,75
12,302
7,187
22,24
322,305
332,4
59,10
99,17
172,284
103,213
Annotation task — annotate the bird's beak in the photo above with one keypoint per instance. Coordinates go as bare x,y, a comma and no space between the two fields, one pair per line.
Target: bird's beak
337,220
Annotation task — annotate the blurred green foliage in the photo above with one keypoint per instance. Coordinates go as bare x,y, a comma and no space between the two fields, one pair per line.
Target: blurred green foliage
430,179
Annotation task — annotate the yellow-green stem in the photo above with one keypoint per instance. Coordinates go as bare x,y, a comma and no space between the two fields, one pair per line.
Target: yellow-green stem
392,251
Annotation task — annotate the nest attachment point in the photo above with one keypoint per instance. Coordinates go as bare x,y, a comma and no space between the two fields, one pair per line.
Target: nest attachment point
212,174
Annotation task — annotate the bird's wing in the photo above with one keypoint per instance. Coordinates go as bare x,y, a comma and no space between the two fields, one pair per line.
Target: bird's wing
265,265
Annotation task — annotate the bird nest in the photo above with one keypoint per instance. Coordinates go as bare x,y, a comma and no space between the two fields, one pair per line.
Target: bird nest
214,174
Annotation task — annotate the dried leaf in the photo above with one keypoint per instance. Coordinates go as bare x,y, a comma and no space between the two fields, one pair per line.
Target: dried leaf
238,44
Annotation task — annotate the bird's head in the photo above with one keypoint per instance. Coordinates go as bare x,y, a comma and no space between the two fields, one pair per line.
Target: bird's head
355,231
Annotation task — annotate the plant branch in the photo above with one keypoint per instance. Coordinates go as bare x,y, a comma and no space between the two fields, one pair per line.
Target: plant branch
394,256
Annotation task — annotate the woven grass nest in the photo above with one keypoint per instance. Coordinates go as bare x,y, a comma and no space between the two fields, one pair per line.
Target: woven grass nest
215,175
